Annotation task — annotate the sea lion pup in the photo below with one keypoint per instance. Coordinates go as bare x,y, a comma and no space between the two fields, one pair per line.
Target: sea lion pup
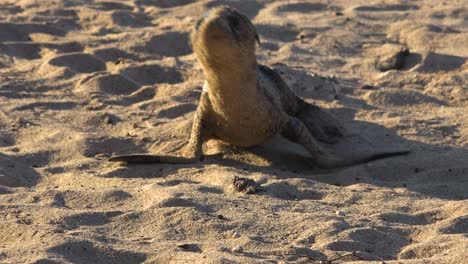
244,103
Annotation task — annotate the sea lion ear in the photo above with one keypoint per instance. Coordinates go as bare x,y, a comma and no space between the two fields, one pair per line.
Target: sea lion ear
257,38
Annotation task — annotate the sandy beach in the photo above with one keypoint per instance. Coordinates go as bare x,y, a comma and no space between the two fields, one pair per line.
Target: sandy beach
83,80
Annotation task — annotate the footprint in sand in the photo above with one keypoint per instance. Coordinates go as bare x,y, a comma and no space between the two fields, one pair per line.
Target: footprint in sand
83,251
176,111
425,218
22,50
113,54
88,219
302,7
105,6
386,8
170,44
458,225
382,245
20,32
15,173
151,74
164,3
395,98
77,62
109,145
286,33
112,84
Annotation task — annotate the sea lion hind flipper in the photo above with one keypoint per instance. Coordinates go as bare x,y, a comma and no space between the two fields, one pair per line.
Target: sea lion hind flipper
151,159
320,123
296,131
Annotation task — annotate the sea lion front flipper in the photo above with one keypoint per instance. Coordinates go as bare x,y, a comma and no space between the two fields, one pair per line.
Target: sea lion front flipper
297,132
192,151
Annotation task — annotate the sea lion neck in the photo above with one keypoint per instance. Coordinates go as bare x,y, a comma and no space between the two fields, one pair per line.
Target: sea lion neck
229,88
228,81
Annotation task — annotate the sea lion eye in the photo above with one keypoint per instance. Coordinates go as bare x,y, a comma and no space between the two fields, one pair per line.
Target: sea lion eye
199,23
234,21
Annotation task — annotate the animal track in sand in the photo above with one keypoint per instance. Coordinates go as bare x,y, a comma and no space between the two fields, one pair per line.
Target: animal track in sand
31,50
372,241
425,218
10,8
129,19
84,199
386,8
78,62
395,98
112,84
435,246
83,251
14,173
164,3
12,32
113,54
286,191
302,7
285,33
170,44
151,74
435,62
88,219
176,111
108,145
177,202
21,50
100,21
458,225
111,6
54,12
67,105
20,32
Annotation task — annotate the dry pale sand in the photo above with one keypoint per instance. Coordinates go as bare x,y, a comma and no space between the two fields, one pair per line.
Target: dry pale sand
81,80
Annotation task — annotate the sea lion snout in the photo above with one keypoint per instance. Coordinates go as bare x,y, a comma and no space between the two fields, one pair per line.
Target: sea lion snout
226,23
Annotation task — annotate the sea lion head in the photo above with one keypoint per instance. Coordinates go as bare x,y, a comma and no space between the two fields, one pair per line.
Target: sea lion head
224,38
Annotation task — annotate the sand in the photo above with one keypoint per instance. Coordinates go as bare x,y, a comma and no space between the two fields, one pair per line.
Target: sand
83,80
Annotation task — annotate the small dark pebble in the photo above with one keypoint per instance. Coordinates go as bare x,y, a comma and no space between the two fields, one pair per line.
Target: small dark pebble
368,87
301,36
394,61
339,13
246,185
190,248
220,216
